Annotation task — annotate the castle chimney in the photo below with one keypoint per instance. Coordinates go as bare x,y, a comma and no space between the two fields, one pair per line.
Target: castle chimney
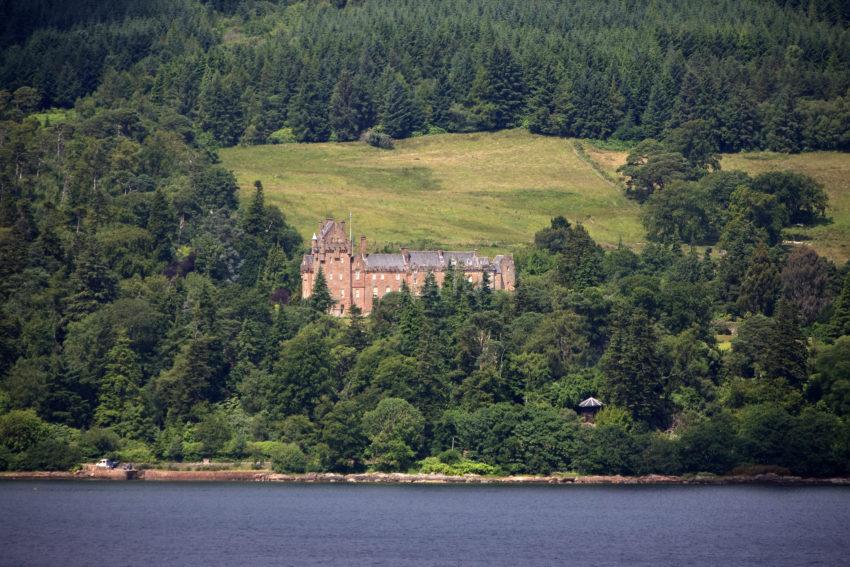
362,245
405,255
440,255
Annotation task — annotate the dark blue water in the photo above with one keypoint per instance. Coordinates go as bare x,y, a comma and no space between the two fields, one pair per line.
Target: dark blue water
152,524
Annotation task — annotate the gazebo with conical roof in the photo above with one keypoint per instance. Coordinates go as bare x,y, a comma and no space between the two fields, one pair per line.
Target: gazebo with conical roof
589,408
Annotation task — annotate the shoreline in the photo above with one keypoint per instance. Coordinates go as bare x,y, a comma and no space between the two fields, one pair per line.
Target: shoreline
156,475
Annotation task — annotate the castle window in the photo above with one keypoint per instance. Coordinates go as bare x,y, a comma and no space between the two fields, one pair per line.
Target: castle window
357,275
374,292
340,277
388,290
398,277
374,277
357,293
341,293
382,276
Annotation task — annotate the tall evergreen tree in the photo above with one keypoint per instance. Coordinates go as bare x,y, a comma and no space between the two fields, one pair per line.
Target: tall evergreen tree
321,299
401,117
499,90
94,284
633,368
760,285
120,403
308,113
349,111
254,219
840,322
789,352
220,108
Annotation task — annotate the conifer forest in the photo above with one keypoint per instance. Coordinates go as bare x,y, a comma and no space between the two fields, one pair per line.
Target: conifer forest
152,312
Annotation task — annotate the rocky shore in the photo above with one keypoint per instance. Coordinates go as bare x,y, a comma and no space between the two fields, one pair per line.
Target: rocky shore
91,473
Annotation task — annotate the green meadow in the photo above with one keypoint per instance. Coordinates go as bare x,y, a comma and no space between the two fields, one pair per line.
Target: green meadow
490,191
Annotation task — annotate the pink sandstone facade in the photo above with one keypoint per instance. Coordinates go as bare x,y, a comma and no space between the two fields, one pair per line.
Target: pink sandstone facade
361,279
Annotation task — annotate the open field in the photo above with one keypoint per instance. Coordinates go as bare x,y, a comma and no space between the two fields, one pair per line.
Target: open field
492,191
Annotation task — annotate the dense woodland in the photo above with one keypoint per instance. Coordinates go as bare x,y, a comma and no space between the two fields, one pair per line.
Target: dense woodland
762,74
149,315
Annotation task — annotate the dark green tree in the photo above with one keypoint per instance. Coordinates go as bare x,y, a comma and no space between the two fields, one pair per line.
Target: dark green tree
498,90
308,112
633,368
760,285
320,297
401,116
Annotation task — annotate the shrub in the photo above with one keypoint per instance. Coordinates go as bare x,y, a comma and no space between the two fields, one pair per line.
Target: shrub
49,455
21,429
97,443
451,456
462,467
135,452
378,139
282,136
264,448
289,458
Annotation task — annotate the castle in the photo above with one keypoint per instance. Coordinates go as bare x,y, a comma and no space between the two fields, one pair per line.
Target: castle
361,279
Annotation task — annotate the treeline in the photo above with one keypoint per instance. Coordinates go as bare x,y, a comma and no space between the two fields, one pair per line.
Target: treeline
768,75
146,315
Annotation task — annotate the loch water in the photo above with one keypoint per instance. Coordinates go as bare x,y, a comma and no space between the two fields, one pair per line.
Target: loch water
242,524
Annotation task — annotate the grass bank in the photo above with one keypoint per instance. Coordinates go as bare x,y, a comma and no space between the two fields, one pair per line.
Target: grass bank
490,191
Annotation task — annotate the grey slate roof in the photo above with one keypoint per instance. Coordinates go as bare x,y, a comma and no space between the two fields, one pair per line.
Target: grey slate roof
424,260
378,262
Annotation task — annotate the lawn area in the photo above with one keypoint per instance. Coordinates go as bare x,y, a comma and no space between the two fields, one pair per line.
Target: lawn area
490,191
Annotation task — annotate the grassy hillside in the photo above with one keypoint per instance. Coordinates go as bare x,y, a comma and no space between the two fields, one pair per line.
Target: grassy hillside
491,191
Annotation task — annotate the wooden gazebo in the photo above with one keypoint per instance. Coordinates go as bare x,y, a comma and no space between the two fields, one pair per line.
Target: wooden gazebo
589,408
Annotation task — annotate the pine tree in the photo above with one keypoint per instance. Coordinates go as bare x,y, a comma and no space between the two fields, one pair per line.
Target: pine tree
788,357
441,102
120,404
220,108
760,284
432,304
308,113
485,293
739,121
633,367
161,225
275,274
410,323
94,284
351,110
782,124
840,322
254,219
320,299
499,89
356,337
401,116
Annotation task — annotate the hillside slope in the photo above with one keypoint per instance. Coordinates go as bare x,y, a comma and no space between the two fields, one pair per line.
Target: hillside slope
485,190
